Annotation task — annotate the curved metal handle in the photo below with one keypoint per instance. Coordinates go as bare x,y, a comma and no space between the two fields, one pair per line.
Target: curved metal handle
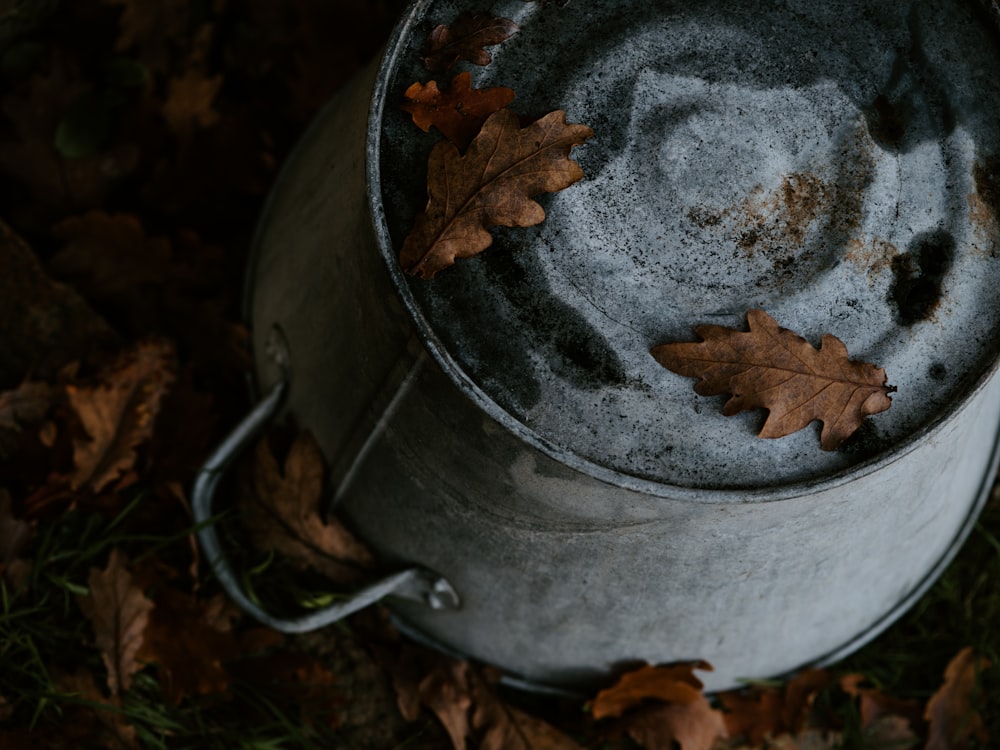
417,584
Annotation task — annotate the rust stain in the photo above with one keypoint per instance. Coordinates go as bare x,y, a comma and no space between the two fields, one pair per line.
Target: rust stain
984,204
874,257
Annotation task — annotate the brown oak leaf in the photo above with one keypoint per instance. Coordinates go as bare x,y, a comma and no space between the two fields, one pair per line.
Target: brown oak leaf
672,683
464,40
188,651
118,413
284,514
97,722
878,708
775,369
458,112
190,102
152,28
464,698
692,726
776,712
953,716
504,727
14,533
21,407
491,184
119,611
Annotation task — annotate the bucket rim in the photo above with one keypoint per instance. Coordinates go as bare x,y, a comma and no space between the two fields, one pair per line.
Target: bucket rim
565,456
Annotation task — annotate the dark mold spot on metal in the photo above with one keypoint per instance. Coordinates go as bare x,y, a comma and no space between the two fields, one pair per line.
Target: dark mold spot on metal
916,290
887,121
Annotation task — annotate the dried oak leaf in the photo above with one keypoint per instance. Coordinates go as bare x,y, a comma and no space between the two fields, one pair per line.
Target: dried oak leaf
776,712
878,708
14,533
24,406
152,28
119,412
465,39
673,683
119,611
491,184
466,703
188,651
953,716
284,514
190,102
459,112
775,369
55,184
687,718
504,727
97,722
44,325
692,726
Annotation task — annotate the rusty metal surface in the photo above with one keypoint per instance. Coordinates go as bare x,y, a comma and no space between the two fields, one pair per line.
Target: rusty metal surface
835,164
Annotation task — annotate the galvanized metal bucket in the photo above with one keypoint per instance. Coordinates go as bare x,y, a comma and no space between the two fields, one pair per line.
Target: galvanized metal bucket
554,501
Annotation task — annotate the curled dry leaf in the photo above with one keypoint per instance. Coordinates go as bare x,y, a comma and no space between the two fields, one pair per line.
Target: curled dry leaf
44,325
118,413
188,651
776,712
674,683
875,706
23,406
100,724
465,39
284,514
458,112
464,699
953,716
775,369
692,726
492,184
119,611
14,533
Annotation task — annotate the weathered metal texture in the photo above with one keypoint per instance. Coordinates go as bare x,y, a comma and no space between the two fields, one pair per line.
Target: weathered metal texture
834,164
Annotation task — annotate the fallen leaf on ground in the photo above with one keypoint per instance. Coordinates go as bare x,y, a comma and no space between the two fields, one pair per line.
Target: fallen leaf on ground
14,533
119,412
100,724
777,712
674,683
952,713
24,406
874,705
464,699
491,184
151,28
692,726
775,369
503,727
188,651
190,102
458,112
119,611
44,325
464,40
284,514
55,184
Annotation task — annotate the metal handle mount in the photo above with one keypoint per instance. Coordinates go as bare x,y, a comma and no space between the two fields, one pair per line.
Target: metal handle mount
416,584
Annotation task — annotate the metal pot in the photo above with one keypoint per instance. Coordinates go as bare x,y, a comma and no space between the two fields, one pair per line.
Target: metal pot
554,501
